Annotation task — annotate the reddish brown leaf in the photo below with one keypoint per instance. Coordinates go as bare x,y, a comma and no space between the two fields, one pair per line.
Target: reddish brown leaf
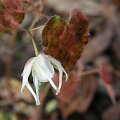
105,75
65,40
11,13
81,97
68,88
107,80
77,93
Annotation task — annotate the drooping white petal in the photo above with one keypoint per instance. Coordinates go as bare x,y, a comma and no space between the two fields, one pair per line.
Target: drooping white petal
53,85
33,93
28,65
36,84
58,66
66,75
25,74
29,88
51,68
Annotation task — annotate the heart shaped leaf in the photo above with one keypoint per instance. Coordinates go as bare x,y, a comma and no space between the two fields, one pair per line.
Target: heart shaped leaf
65,40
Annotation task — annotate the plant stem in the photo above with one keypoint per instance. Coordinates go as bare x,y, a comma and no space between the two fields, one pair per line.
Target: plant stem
34,44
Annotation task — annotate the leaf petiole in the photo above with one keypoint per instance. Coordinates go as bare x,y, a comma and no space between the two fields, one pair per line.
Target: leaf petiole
34,44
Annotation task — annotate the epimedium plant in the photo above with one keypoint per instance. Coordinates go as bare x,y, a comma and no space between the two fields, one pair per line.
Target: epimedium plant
42,67
57,33
63,42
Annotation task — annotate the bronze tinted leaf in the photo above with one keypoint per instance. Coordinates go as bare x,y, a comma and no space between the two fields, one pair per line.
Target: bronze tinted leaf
65,40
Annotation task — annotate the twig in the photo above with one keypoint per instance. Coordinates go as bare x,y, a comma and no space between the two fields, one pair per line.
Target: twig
33,29
36,4
89,72
36,28
41,14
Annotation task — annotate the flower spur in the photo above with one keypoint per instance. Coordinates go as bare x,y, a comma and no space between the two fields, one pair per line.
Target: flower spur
42,68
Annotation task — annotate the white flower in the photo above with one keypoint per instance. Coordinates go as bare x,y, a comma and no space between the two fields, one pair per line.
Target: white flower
42,68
